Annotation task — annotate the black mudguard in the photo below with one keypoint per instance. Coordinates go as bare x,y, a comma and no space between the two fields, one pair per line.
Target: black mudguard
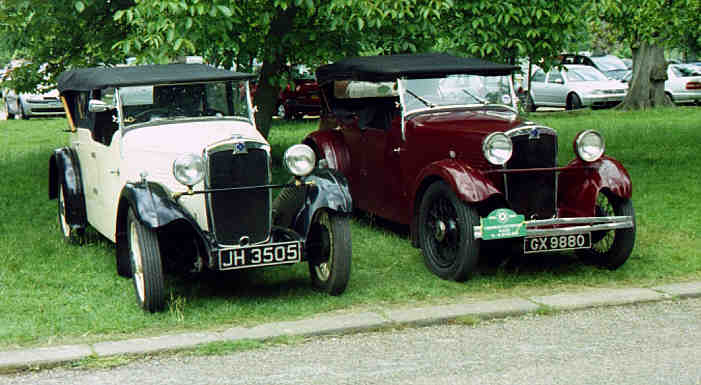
329,190
153,205
64,167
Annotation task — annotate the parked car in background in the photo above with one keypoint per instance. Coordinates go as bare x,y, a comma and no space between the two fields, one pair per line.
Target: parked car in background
610,65
628,62
435,142
300,97
166,161
574,86
683,84
43,102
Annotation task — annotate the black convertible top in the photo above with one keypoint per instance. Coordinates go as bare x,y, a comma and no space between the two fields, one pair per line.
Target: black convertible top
85,79
391,67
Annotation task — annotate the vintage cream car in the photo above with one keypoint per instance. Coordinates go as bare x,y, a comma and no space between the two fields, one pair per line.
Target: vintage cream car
166,161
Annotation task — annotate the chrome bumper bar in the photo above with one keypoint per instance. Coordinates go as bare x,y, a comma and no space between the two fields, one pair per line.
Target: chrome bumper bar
577,225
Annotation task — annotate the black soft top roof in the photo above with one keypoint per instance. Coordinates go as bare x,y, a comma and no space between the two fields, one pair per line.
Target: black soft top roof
391,67
85,79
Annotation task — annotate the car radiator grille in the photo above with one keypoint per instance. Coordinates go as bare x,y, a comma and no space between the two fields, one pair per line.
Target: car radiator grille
533,194
234,214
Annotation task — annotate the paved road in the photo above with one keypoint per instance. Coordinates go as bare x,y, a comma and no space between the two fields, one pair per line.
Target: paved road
657,343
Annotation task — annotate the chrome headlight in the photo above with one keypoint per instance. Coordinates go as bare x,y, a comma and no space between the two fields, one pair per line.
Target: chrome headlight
188,169
300,159
497,148
589,145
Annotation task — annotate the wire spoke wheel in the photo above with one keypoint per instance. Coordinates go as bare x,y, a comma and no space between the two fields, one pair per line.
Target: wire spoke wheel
70,234
611,248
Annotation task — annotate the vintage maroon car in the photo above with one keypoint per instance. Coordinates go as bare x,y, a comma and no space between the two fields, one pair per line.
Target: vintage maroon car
435,141
299,98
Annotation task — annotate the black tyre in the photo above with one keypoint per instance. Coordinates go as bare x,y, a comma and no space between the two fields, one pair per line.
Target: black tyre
611,249
530,104
146,264
21,114
9,115
574,102
329,252
446,235
71,234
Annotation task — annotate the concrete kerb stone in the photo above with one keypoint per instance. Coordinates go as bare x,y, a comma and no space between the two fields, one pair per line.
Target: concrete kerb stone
681,290
599,297
40,357
438,314
153,344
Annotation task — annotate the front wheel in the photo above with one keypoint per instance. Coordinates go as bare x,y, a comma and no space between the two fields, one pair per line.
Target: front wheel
611,249
446,235
329,252
146,265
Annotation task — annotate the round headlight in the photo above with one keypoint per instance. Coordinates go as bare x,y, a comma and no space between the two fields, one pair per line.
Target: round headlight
188,169
589,145
497,148
300,159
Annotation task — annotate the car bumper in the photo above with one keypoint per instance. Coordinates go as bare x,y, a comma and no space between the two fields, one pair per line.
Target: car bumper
602,100
569,226
686,96
43,108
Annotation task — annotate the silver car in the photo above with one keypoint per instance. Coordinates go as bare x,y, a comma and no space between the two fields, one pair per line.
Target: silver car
574,86
25,106
683,84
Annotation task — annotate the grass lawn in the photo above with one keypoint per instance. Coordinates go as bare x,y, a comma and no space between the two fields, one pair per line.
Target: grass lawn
52,292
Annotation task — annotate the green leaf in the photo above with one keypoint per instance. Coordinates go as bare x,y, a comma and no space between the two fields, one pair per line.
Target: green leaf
225,10
79,6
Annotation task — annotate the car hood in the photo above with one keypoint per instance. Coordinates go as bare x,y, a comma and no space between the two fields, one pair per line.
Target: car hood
151,149
480,121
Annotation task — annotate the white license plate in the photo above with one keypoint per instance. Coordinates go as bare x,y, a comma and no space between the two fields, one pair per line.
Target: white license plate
556,243
260,255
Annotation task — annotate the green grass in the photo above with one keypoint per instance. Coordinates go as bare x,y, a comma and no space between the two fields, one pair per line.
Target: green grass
52,292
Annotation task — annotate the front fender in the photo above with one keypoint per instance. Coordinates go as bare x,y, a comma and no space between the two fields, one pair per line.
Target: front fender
153,205
64,168
329,191
581,182
469,185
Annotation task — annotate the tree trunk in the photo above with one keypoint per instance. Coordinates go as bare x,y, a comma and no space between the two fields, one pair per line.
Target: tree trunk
274,63
646,87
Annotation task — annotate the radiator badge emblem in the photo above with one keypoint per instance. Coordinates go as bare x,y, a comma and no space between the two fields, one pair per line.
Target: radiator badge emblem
534,134
240,148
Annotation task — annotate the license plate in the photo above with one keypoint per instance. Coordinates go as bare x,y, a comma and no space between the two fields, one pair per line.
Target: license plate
556,243
260,255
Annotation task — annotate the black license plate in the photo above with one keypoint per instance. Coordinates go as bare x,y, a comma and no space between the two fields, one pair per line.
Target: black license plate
556,243
260,255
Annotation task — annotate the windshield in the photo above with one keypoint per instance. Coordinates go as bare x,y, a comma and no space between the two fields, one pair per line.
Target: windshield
684,71
456,90
583,74
609,63
142,104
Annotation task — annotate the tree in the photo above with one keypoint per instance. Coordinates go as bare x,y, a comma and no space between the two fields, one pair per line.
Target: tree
649,26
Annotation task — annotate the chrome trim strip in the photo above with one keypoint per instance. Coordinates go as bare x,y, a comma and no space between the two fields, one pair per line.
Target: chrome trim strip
589,224
526,129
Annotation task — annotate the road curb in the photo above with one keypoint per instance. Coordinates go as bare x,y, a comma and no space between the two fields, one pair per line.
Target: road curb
21,359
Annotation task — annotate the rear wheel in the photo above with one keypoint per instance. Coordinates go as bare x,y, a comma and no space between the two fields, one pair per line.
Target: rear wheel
329,252
146,265
611,249
574,102
446,235
70,234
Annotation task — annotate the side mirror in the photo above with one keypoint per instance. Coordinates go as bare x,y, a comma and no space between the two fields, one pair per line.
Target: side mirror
98,106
